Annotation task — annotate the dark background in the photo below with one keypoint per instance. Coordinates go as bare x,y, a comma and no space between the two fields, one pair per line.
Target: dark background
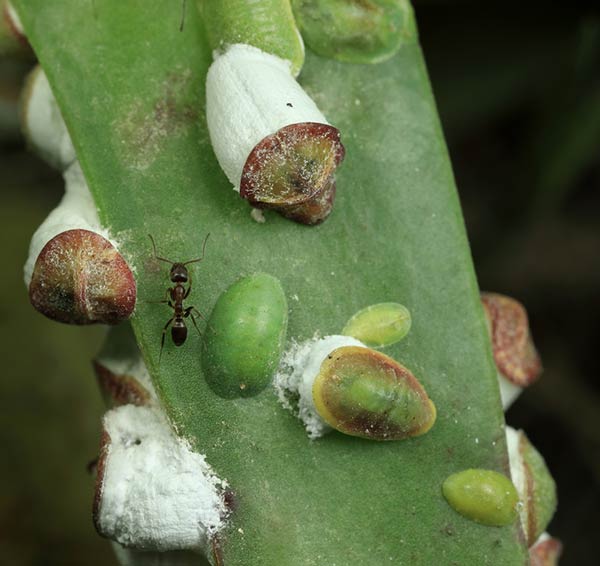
518,90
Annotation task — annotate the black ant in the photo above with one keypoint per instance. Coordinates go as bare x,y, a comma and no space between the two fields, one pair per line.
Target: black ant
177,294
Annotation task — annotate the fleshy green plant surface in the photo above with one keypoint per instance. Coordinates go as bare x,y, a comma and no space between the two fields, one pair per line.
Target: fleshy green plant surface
130,86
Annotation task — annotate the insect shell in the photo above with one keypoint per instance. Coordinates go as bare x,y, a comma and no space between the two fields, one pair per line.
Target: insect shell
245,336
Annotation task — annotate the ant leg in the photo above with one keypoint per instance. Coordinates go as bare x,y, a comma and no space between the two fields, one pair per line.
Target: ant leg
166,301
198,313
156,255
162,339
187,291
189,313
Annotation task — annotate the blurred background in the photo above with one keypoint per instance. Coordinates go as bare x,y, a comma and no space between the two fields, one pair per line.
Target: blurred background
518,91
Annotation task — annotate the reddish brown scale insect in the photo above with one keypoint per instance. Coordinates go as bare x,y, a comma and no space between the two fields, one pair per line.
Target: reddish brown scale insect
180,276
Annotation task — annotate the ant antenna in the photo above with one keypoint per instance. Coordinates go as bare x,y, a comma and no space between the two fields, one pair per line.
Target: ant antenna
183,5
156,255
203,250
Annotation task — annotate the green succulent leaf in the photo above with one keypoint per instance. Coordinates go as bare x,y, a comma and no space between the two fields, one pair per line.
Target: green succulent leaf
131,88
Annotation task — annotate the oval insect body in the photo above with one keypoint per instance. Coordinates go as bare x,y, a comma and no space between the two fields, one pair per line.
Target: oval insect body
179,332
356,31
245,336
379,325
362,392
485,496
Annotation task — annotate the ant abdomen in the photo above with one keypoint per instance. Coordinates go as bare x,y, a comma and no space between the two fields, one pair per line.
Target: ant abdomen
178,332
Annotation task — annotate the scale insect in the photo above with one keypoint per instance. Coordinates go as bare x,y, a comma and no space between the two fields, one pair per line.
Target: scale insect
180,276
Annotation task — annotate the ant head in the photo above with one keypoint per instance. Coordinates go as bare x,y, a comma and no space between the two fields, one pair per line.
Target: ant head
179,273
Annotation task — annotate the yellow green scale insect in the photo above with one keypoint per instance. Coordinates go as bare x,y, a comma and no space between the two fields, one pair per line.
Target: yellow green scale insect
484,496
379,325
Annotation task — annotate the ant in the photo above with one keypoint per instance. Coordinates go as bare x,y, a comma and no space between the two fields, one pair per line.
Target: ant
179,275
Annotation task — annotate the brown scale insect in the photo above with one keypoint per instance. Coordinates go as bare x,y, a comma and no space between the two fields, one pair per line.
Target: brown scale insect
179,275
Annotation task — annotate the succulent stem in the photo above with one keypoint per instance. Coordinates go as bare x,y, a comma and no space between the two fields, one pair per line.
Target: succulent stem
268,25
